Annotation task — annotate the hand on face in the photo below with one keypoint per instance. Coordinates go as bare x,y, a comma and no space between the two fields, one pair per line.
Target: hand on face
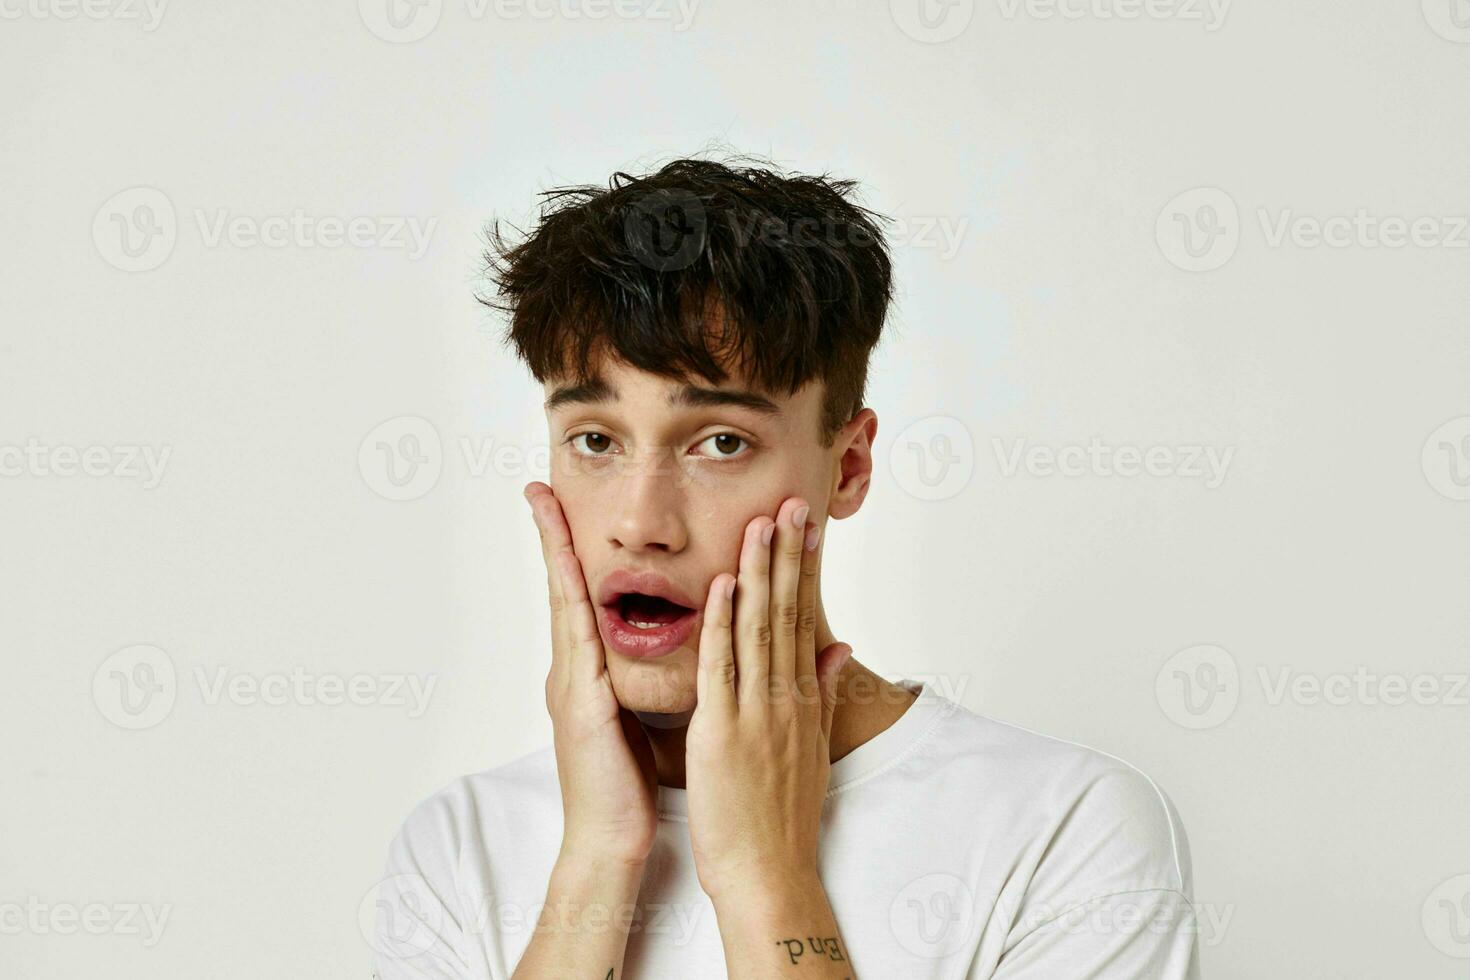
757,747
757,754
603,759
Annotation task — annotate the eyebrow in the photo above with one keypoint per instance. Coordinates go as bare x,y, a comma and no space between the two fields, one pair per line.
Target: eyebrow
597,391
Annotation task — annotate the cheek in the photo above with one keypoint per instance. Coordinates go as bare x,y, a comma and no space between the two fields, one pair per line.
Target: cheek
566,468
725,521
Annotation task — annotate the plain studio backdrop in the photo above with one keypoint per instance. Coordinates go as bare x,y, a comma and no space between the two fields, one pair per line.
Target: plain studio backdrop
1173,453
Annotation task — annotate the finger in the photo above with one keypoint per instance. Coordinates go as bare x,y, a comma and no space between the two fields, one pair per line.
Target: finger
752,617
556,537
785,581
584,655
534,493
831,663
806,619
715,682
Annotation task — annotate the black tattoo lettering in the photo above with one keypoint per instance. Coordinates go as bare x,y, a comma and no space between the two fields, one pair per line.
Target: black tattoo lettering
796,949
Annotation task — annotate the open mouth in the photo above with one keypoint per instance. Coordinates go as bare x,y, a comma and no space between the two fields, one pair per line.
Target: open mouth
639,625
648,612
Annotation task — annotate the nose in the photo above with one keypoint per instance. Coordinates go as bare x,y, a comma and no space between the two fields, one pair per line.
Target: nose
647,512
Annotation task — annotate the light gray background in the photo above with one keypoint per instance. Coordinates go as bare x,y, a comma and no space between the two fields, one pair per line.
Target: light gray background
1065,154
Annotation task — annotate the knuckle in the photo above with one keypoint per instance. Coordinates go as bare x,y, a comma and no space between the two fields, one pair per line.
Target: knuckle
725,673
786,615
761,633
806,622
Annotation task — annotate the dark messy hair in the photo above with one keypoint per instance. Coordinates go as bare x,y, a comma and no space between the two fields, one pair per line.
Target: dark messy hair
696,267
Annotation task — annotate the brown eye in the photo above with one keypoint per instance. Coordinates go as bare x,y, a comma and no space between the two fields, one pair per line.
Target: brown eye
726,445
595,448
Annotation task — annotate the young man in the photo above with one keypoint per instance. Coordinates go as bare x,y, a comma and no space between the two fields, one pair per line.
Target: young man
729,793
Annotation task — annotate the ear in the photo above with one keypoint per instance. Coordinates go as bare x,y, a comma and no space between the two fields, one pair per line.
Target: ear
852,464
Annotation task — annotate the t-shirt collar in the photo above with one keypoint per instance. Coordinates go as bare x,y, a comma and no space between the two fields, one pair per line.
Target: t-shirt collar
863,762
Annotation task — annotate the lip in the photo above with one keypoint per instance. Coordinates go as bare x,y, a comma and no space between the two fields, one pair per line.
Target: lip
631,641
649,583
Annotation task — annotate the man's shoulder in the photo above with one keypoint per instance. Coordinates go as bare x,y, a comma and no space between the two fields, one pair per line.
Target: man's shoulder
506,797
1040,762
1072,802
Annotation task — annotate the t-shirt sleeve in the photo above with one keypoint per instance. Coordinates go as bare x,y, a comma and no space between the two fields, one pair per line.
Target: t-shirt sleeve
415,925
1145,935
1111,893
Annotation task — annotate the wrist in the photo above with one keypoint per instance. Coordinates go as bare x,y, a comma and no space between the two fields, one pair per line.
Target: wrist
577,862
775,891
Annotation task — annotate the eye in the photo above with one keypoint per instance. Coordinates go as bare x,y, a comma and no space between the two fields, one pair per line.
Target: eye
723,445
605,442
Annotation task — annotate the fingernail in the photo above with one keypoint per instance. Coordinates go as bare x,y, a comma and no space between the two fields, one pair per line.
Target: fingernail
768,533
730,589
798,519
812,537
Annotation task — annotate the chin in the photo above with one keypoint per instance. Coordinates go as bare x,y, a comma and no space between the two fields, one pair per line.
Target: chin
661,685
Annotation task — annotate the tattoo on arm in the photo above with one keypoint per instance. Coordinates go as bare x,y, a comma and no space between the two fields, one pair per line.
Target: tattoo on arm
814,945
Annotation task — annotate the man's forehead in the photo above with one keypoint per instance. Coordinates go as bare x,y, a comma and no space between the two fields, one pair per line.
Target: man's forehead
602,389
610,379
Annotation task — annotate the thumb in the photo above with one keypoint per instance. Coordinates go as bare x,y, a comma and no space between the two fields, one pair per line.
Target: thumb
829,664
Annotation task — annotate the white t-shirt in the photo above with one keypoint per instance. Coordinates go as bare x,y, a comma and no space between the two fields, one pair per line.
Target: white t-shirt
952,846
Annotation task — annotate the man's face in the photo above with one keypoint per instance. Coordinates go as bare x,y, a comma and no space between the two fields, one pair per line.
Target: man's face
662,476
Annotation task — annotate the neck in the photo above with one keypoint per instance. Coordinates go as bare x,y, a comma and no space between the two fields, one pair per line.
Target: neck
866,705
